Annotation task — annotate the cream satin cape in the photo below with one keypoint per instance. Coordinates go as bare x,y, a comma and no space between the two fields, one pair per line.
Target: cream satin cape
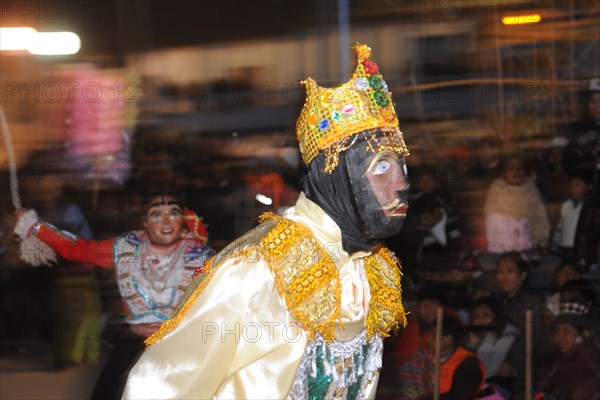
238,340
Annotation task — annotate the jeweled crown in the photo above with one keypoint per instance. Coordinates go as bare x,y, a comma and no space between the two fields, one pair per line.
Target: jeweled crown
331,115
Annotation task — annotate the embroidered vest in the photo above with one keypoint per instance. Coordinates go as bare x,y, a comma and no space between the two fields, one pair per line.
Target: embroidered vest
152,299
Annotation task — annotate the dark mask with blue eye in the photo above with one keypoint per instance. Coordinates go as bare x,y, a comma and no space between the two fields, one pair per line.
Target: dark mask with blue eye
366,194
380,186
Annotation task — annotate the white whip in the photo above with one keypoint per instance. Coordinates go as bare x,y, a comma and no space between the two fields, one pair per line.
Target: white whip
31,249
12,162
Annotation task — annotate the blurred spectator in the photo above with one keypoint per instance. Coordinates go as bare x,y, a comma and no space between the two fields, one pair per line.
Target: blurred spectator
580,291
562,274
590,116
585,133
485,285
420,323
76,301
426,181
440,246
461,372
515,216
511,272
473,188
577,233
551,178
497,344
576,372
516,299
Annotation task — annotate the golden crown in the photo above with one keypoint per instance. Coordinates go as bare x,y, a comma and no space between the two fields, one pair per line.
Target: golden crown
331,115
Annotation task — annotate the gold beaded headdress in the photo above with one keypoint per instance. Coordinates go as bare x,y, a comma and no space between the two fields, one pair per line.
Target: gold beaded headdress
330,116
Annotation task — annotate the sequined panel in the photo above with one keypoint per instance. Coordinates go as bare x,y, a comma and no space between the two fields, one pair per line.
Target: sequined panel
305,276
386,311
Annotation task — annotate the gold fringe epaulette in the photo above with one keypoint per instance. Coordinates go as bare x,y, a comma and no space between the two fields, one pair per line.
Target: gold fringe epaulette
305,276
386,312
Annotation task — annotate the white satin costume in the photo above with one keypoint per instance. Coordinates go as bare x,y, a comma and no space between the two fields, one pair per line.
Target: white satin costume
283,312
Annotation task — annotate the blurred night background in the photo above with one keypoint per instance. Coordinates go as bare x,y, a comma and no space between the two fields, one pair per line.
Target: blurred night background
204,95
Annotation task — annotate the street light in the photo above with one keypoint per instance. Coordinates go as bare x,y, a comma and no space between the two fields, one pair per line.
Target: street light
14,39
522,19
39,43
55,43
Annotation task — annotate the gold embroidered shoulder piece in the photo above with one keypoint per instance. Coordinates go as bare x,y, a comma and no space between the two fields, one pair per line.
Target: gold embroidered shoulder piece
386,311
305,276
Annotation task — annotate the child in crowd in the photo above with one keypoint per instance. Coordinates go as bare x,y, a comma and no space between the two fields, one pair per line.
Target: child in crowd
562,274
551,176
426,182
420,322
484,285
440,243
576,372
577,233
497,344
461,372
515,215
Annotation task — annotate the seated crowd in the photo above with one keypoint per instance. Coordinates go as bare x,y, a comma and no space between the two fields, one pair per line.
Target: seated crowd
517,231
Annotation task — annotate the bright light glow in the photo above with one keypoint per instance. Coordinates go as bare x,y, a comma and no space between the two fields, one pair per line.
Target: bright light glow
522,19
16,38
55,43
261,198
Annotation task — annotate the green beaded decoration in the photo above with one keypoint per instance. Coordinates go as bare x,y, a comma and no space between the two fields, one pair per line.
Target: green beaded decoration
375,82
381,99
319,385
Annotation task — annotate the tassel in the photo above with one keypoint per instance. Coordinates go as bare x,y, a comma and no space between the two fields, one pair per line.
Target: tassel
342,381
352,377
313,365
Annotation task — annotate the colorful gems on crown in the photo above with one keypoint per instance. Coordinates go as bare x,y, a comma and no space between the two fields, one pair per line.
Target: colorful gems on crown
370,67
336,116
348,109
331,115
324,124
375,82
381,99
361,83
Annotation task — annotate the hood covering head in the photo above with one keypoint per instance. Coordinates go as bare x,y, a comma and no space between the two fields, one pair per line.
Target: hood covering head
366,195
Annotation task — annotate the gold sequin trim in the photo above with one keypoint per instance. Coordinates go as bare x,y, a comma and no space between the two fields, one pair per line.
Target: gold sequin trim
386,311
305,276
378,140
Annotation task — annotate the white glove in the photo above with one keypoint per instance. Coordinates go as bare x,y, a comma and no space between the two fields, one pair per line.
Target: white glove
25,222
31,249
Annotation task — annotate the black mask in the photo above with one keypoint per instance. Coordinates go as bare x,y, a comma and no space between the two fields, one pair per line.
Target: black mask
380,186
355,193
